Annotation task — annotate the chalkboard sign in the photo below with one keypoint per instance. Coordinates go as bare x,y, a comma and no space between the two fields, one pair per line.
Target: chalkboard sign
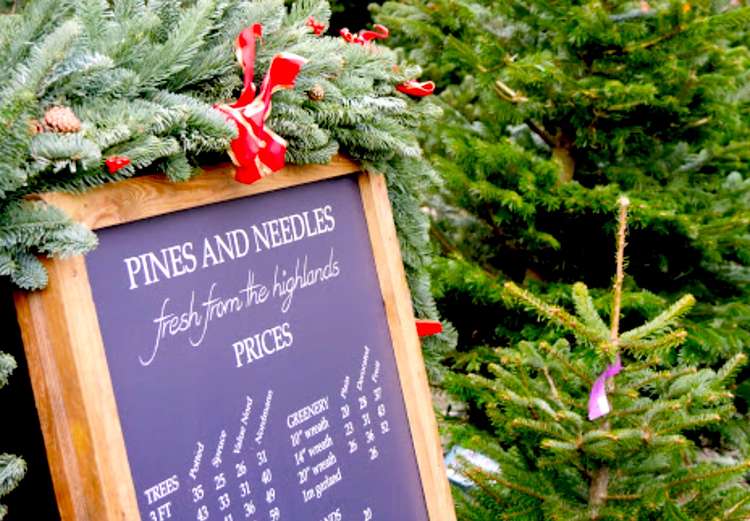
235,352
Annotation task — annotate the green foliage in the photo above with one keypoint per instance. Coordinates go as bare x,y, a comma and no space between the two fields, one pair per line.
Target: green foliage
142,78
12,468
553,109
642,461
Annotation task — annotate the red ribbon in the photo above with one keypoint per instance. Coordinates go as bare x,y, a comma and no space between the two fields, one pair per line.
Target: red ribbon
115,163
381,32
317,27
428,327
416,88
364,36
258,151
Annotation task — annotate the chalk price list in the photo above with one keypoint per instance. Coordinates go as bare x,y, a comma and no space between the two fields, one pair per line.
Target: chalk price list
234,478
234,484
360,414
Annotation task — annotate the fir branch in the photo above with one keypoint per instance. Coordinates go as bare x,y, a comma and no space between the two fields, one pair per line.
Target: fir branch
63,151
661,322
548,428
735,507
690,423
555,314
29,273
586,311
662,377
622,223
586,379
6,263
7,366
657,345
480,476
703,27
728,372
180,48
731,469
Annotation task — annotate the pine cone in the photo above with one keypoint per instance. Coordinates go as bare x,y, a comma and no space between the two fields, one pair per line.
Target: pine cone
317,93
35,127
61,119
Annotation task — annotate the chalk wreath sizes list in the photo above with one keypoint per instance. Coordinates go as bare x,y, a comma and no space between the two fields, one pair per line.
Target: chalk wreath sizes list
252,364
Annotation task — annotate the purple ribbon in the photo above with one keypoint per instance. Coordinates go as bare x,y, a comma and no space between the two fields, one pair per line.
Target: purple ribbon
598,403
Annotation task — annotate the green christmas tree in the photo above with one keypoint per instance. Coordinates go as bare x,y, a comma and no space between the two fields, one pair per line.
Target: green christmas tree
551,110
12,468
638,461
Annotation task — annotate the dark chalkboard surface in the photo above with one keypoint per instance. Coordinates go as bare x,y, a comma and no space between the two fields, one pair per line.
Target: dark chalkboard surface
252,363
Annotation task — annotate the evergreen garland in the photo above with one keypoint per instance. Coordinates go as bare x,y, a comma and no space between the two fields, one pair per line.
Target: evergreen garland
138,79
142,79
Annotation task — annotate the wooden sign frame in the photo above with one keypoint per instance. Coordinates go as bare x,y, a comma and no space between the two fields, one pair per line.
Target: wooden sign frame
67,360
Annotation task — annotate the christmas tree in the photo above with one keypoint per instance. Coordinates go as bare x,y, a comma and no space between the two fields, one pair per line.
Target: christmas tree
12,468
553,109
629,454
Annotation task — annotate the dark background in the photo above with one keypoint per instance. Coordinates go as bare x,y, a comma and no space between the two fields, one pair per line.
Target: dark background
352,14
20,432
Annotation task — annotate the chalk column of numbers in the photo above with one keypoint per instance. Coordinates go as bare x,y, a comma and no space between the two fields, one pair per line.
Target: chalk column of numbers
365,419
219,483
225,490
372,414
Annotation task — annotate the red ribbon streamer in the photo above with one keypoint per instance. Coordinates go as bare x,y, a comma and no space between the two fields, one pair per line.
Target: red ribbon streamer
416,88
365,36
258,151
381,32
428,327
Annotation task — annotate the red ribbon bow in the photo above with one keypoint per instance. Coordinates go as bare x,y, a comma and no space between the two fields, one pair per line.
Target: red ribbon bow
316,26
365,36
258,151
116,163
416,88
